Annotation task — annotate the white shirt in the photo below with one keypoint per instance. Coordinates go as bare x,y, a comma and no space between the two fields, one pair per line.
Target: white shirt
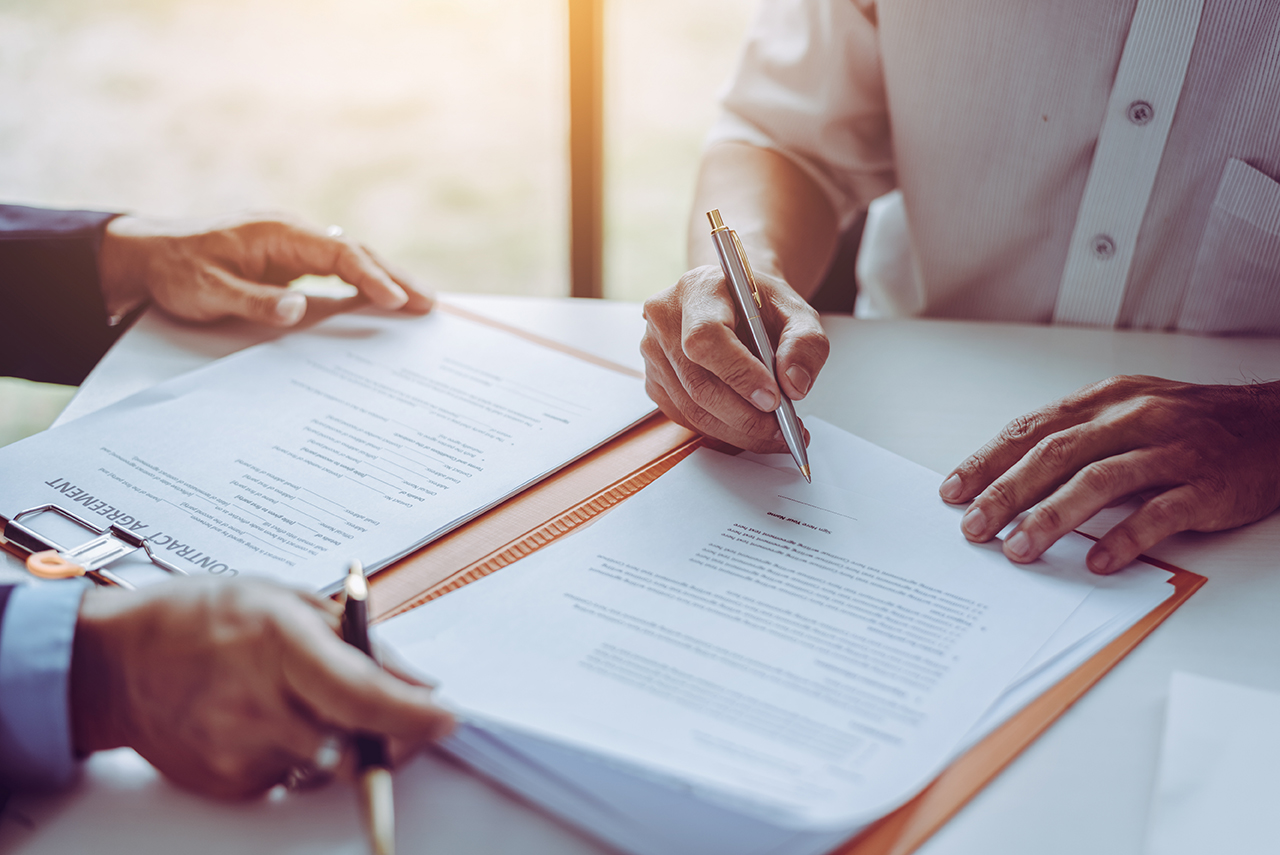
1091,162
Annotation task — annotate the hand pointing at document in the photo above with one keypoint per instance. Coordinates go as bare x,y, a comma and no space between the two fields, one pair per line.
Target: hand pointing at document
237,266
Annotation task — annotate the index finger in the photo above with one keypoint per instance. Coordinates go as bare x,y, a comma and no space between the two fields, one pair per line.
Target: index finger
708,338
420,299
988,463
302,250
342,686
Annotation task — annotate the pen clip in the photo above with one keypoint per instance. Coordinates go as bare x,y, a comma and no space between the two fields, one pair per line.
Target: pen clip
746,265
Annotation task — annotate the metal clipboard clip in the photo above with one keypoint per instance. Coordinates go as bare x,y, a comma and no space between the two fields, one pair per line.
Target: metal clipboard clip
48,560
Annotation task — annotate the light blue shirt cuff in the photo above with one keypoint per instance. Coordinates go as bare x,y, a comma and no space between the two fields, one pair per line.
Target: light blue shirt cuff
35,665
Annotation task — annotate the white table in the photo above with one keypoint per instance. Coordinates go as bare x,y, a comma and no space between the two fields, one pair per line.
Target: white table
930,391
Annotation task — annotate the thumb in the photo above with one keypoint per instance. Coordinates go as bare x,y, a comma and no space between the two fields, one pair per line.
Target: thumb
264,304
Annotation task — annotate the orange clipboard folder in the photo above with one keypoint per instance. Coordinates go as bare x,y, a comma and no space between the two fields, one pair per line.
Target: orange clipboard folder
632,461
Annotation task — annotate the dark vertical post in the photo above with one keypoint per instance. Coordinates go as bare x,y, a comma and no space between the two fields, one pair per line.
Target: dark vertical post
586,147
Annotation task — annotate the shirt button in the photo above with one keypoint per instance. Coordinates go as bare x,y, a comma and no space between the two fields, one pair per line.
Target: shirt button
1103,246
1140,112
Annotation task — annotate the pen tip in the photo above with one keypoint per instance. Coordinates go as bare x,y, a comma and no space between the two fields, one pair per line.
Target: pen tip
804,470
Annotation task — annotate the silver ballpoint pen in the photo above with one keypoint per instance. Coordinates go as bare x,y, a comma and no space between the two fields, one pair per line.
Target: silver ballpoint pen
737,271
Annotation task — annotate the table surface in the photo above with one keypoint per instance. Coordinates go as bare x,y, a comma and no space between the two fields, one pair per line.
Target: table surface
932,391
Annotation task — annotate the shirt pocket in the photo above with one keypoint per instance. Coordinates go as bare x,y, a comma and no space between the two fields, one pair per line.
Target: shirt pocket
1235,284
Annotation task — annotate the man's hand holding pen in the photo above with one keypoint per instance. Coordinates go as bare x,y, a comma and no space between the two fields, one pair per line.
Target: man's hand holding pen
228,686
700,372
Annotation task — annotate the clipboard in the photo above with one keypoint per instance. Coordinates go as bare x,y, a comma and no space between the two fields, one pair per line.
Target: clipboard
47,559
619,469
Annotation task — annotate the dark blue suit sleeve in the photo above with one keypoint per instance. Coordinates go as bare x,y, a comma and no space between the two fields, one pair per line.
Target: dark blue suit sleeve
53,320
37,635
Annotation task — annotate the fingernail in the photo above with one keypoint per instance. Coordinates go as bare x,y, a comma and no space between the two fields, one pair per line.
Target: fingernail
1018,546
777,435
800,379
950,488
974,522
1100,561
764,400
290,308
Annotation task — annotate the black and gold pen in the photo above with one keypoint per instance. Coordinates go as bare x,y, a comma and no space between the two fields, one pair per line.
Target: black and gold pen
372,762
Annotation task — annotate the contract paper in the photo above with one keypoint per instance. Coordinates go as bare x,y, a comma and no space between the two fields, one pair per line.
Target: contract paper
1113,604
806,655
364,437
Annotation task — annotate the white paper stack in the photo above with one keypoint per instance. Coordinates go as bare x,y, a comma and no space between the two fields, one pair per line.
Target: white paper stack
735,661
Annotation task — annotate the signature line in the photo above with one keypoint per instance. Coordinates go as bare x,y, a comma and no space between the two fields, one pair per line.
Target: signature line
816,507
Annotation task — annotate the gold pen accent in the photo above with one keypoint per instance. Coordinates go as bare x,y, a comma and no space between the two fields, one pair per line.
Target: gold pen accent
379,805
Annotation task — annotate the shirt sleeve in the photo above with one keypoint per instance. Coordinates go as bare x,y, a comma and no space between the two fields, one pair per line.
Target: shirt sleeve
809,85
54,325
37,626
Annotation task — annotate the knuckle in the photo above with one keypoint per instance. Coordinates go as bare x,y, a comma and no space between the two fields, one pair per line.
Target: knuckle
1123,540
974,463
1047,517
999,495
650,346
704,388
660,303
818,346
1213,486
1168,513
740,377
1022,428
1117,386
1056,451
1104,477
702,340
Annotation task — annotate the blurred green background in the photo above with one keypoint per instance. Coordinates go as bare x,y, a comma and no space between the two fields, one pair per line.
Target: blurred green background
434,130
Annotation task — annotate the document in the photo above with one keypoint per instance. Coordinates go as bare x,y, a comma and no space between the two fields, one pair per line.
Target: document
1113,604
1216,788
365,437
799,653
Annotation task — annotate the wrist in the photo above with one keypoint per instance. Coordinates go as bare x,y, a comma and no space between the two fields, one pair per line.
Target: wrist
98,716
121,269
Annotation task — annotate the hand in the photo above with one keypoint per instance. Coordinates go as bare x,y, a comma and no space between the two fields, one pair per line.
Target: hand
702,375
237,267
1203,458
226,685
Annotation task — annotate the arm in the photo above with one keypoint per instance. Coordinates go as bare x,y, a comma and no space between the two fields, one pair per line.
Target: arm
53,322
696,368
70,277
802,147
223,686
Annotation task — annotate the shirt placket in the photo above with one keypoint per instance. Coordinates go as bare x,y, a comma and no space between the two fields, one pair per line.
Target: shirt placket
1139,115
